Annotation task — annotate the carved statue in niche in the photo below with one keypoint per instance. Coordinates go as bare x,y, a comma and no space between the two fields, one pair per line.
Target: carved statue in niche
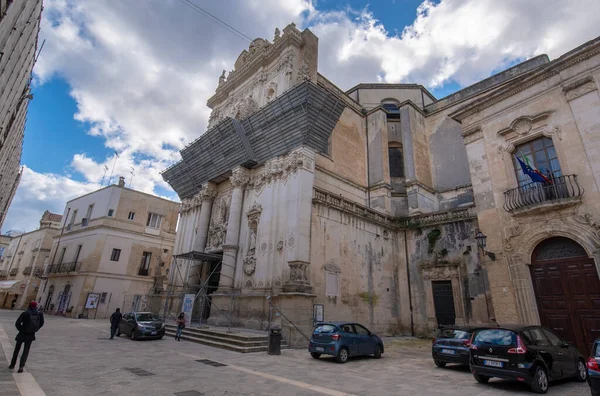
271,91
218,228
222,78
304,72
253,220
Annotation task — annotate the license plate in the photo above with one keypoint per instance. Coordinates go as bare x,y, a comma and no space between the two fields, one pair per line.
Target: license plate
493,363
448,351
320,349
153,333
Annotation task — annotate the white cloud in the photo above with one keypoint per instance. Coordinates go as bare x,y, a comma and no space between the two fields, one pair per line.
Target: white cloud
38,192
141,72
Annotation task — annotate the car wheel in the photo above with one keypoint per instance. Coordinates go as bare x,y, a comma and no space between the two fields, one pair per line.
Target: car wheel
440,364
315,355
342,356
133,335
377,353
482,379
540,381
581,375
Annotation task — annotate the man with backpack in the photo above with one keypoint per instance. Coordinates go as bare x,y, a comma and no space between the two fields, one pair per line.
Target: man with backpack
28,324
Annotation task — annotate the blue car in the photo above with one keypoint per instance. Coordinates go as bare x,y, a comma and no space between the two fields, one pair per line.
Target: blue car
451,345
344,340
593,369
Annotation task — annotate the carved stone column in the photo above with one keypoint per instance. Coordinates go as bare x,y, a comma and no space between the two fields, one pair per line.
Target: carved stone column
207,195
239,179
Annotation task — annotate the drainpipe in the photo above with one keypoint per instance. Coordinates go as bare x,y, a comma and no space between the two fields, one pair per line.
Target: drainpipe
364,111
410,304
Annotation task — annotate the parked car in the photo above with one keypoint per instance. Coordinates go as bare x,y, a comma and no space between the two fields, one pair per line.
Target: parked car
594,369
138,325
451,345
530,354
344,340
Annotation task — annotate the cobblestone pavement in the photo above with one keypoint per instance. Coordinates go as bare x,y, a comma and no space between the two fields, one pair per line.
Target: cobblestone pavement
75,357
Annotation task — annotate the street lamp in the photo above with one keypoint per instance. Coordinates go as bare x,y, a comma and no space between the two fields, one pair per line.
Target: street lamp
481,242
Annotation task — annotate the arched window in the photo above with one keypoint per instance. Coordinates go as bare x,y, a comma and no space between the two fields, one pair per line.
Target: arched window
396,159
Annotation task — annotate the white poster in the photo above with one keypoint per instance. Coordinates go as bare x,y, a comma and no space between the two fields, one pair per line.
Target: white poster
92,300
188,306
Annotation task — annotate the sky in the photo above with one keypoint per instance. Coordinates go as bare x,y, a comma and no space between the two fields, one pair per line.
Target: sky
131,78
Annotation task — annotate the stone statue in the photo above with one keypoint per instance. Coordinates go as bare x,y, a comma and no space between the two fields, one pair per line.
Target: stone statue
277,34
222,78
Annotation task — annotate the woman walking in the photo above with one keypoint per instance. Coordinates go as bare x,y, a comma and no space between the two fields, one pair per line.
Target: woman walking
180,326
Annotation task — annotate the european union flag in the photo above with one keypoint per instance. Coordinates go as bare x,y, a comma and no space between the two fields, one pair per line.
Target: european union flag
533,175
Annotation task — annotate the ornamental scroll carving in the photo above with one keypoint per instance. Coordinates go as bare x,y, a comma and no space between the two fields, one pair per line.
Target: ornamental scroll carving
331,266
208,192
249,265
587,219
298,271
282,168
579,88
239,177
304,72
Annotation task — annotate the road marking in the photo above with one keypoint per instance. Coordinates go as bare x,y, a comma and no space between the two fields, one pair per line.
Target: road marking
299,384
26,384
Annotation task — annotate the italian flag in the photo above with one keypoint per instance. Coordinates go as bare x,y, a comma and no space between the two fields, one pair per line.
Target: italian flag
529,164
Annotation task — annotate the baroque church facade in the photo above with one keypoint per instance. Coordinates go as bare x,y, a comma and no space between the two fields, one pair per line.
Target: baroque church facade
369,202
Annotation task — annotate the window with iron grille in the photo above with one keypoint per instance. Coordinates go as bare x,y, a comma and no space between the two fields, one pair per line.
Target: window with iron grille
116,253
541,153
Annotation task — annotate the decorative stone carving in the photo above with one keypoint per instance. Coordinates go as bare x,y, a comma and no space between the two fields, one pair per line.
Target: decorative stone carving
277,35
208,192
222,78
246,108
271,91
253,220
588,220
249,283
298,271
260,284
331,266
291,242
264,247
249,265
472,135
281,168
280,246
579,88
216,235
523,125
239,177
304,72
440,271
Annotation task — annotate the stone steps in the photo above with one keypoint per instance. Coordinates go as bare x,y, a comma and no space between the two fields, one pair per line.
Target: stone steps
237,342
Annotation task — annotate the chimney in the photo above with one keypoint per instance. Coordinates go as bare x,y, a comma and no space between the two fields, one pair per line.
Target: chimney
121,181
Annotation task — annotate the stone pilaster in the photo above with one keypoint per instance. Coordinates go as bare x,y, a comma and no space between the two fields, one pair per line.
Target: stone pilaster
239,180
207,195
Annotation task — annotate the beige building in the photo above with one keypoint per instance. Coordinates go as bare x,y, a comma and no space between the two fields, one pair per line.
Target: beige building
22,264
366,202
115,243
19,27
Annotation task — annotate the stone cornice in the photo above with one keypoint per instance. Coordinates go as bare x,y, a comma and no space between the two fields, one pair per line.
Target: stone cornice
529,80
579,87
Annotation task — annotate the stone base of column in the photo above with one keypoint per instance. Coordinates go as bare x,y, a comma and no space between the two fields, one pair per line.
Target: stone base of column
298,280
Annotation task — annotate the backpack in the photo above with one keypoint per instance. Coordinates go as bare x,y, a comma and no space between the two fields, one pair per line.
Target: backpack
33,324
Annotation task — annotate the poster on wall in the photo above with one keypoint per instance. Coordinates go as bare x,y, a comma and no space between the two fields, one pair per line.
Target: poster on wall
318,313
188,307
92,300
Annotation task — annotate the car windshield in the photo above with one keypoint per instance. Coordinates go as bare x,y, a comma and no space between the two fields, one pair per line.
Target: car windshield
146,317
597,351
326,329
496,337
453,333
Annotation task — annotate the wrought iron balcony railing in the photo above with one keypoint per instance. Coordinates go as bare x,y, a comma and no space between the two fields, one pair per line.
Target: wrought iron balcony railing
27,270
3,273
63,268
562,187
14,271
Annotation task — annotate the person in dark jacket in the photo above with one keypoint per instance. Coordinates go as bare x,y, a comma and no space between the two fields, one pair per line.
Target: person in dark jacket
115,319
28,323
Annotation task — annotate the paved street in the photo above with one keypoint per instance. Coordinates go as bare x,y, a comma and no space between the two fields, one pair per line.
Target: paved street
75,357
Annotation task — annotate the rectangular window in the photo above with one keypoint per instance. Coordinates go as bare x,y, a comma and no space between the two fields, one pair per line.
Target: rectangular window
73,216
77,254
131,215
103,298
145,264
154,220
89,212
331,284
396,161
111,212
116,253
62,255
541,154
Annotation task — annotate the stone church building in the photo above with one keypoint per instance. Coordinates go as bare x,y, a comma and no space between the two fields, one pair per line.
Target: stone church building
369,201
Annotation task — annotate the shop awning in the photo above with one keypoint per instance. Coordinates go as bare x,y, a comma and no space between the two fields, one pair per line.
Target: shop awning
10,285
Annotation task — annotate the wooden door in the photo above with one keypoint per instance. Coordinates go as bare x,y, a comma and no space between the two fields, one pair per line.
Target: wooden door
567,289
443,301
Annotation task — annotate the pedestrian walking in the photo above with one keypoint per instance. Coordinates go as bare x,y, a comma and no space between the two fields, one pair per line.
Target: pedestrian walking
13,303
28,323
115,319
180,326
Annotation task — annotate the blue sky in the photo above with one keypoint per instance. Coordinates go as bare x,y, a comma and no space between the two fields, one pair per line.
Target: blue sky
114,76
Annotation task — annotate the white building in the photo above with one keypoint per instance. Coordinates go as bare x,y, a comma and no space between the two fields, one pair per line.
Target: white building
114,242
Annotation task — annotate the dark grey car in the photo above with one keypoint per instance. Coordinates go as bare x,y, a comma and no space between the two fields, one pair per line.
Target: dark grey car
138,325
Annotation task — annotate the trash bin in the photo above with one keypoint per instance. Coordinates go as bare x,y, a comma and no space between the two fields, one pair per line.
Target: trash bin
274,341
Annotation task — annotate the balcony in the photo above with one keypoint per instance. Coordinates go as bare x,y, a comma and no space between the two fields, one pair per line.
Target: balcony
3,273
538,197
14,271
27,270
63,268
